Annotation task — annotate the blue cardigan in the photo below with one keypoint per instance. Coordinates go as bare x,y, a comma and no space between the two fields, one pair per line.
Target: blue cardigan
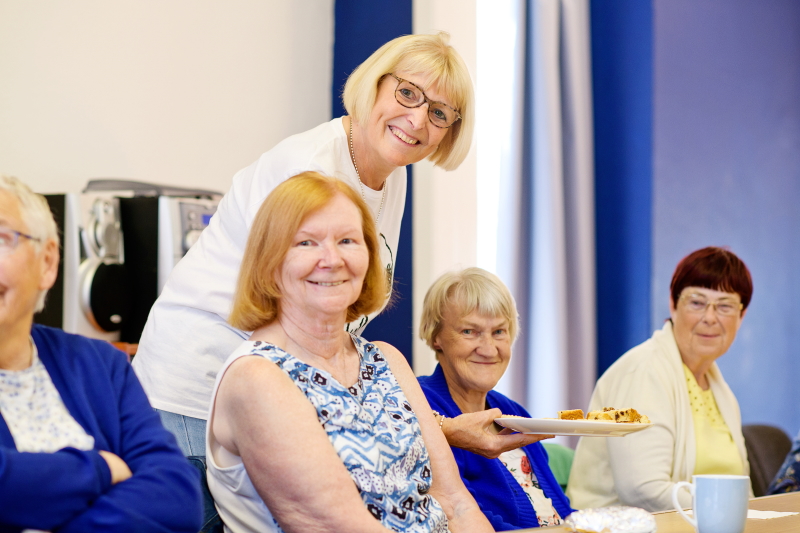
71,490
498,494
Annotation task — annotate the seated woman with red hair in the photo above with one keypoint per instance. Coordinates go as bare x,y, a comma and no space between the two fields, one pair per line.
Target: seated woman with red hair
673,378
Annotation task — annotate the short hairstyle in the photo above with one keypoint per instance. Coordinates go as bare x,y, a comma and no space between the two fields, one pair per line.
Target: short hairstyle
37,217
257,299
468,290
712,268
428,56
35,211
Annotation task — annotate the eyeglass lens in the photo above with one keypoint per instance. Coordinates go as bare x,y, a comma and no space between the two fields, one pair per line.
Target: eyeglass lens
409,95
8,240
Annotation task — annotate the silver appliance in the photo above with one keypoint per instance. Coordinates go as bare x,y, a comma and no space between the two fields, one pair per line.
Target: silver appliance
89,297
180,222
120,241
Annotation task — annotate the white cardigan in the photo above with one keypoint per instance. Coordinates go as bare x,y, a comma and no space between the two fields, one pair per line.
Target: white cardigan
641,468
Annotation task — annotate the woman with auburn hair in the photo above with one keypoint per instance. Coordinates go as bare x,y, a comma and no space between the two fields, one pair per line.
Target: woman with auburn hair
312,428
673,378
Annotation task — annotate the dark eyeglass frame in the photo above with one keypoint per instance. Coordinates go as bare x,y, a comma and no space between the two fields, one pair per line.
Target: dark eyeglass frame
426,100
17,234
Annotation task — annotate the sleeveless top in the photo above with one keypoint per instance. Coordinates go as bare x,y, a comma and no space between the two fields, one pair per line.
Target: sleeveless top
374,431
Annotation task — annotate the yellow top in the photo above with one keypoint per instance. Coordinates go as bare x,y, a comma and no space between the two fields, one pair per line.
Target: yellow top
716,451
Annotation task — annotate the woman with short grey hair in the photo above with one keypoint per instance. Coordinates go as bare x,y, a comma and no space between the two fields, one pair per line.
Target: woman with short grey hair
469,319
81,450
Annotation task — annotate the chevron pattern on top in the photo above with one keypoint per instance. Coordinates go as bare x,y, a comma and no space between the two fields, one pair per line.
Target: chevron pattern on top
375,431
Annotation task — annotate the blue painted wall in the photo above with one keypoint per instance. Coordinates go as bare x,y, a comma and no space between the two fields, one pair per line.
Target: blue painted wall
726,149
360,28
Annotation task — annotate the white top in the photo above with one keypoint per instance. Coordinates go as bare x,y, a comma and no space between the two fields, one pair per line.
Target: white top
517,463
35,413
186,338
640,469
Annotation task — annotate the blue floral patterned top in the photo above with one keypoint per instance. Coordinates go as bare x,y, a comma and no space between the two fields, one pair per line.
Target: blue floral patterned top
376,434
788,477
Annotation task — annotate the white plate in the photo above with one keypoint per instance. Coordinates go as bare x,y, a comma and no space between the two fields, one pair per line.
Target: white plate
585,428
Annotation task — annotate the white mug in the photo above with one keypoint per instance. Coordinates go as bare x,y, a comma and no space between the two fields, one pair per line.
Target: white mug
719,503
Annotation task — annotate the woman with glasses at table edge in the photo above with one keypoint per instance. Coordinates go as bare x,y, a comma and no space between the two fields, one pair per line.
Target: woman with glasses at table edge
410,100
80,448
673,378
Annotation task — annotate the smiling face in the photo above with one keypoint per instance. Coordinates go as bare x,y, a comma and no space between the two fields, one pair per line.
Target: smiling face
24,271
704,336
324,268
399,135
474,351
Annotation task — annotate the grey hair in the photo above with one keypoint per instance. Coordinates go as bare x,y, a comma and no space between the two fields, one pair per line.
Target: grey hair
36,215
468,290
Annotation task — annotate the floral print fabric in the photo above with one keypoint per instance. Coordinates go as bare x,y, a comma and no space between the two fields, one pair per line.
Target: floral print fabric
35,413
517,463
788,478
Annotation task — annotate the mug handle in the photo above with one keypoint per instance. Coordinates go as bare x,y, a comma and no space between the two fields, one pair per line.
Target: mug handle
690,487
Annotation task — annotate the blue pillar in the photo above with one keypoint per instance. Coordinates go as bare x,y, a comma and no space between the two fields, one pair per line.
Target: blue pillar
361,27
622,74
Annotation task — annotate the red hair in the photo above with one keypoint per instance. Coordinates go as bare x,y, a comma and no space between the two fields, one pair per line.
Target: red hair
712,268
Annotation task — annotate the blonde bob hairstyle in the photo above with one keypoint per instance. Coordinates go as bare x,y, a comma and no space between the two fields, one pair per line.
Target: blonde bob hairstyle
37,217
256,302
429,57
468,290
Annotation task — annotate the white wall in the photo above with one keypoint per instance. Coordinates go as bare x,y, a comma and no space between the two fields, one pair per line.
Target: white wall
173,91
445,203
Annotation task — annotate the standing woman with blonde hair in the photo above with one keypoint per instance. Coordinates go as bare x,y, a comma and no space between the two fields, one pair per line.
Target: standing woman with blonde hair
410,100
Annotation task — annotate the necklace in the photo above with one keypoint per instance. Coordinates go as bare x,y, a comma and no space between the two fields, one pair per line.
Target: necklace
361,183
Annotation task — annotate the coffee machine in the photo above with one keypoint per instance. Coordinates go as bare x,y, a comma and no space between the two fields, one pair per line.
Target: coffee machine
120,240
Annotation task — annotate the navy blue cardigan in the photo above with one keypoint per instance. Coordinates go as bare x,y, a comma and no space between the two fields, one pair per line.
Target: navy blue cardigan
70,490
498,494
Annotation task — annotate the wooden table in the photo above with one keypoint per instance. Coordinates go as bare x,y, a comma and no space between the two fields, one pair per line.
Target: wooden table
672,522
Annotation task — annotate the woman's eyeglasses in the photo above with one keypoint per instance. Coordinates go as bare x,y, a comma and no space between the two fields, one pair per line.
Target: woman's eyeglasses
9,239
409,95
697,304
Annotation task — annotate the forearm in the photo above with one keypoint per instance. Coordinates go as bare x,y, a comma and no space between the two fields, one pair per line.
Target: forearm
474,432
653,494
163,493
463,513
642,468
65,483
154,500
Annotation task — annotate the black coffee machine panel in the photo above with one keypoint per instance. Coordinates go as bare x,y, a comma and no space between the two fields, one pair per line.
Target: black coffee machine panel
120,240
